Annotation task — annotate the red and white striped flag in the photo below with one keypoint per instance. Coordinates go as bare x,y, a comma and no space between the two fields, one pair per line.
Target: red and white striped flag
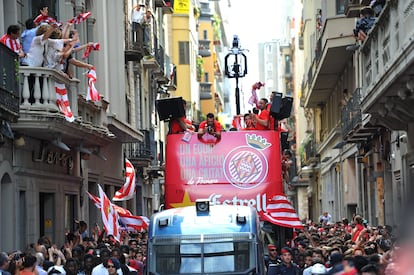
125,217
128,190
97,201
93,47
279,211
92,93
109,215
62,101
131,222
80,18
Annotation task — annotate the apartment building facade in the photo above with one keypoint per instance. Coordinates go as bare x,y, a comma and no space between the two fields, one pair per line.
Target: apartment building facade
354,157
49,164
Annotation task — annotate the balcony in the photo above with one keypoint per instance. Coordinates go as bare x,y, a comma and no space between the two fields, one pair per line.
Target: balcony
166,5
9,87
135,43
330,59
307,152
205,90
353,9
388,67
204,48
354,128
139,153
40,117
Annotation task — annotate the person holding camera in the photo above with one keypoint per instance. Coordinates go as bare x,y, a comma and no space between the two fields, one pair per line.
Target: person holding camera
261,115
209,129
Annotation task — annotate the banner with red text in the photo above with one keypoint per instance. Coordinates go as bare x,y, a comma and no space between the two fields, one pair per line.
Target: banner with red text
243,168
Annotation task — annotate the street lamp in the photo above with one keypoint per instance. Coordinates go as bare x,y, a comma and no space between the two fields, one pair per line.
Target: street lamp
236,69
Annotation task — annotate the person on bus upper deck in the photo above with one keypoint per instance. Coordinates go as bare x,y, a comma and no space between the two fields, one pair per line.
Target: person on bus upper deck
179,125
210,127
261,119
248,122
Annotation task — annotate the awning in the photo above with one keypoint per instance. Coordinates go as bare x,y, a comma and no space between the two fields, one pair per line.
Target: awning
279,211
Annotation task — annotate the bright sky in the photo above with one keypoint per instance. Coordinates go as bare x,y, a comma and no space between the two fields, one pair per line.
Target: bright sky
254,22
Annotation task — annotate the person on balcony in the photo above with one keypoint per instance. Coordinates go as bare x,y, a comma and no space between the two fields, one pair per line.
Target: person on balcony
137,18
27,37
11,40
364,24
71,59
34,56
56,51
43,17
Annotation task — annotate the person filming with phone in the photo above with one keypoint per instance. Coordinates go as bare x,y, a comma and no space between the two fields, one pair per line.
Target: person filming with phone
209,129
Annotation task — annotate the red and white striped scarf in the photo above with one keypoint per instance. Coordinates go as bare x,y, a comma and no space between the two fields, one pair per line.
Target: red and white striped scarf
80,18
62,101
12,44
92,93
93,47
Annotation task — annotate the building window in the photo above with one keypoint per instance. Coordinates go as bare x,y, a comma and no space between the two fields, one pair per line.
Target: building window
269,48
184,50
287,64
205,37
341,5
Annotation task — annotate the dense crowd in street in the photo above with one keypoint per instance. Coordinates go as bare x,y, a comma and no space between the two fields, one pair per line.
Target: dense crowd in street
344,248
322,248
82,253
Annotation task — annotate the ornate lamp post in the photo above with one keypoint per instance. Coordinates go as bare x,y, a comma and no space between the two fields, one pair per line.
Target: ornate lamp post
238,68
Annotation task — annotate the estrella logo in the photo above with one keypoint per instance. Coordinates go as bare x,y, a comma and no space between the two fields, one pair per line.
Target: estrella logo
245,167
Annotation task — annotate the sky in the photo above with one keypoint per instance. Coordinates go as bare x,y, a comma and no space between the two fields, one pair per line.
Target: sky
254,22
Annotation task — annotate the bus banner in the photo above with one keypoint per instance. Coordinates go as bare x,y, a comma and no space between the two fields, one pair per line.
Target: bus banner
243,168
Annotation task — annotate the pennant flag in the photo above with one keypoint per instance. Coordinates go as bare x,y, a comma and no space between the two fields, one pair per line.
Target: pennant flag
80,18
128,190
97,201
62,101
92,93
89,48
279,211
131,222
109,215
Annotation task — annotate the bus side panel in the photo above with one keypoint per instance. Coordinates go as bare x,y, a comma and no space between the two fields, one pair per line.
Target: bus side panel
243,168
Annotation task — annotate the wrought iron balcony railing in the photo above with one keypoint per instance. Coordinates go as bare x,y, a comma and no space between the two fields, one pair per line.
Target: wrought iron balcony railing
351,113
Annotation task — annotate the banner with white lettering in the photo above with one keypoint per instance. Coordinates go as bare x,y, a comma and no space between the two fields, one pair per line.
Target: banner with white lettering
243,168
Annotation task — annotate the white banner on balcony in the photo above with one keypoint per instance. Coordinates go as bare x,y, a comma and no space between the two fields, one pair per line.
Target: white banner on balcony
62,101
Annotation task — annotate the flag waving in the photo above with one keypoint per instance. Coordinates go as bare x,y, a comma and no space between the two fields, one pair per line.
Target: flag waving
89,48
281,212
253,100
126,219
92,93
97,201
109,215
128,190
80,18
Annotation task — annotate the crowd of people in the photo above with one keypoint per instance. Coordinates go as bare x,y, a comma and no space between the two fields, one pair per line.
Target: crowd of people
46,42
344,248
81,254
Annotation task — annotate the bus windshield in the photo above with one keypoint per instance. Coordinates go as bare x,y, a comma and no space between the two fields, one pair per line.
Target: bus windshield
206,254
